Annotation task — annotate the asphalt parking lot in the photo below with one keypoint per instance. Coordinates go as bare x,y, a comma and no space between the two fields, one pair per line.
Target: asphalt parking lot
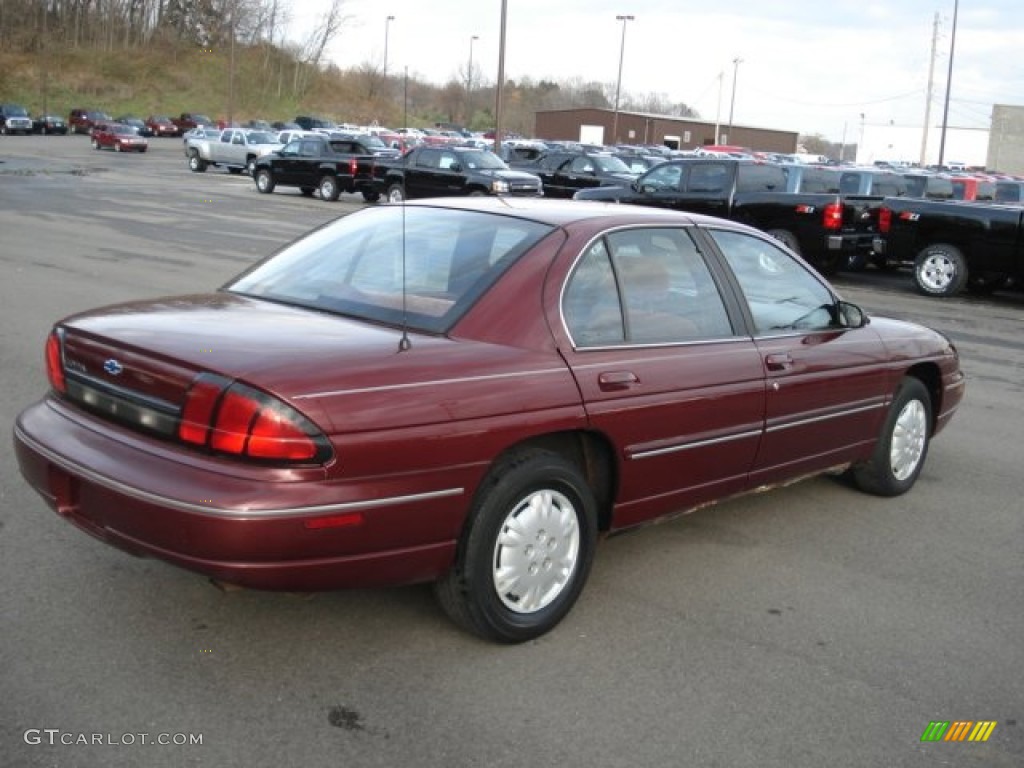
807,626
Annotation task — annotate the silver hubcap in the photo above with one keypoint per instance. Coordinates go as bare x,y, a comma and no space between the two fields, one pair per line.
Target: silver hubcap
908,440
263,181
395,196
937,271
536,553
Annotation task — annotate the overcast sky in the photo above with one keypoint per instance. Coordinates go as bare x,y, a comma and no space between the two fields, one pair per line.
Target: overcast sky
812,67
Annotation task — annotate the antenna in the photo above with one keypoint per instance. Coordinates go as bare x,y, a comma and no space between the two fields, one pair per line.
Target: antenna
404,344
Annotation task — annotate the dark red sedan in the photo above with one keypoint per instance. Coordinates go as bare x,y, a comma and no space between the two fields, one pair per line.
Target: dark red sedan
470,392
118,137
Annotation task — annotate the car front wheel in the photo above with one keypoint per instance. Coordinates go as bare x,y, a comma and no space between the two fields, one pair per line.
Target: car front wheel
526,550
940,270
265,181
196,164
903,444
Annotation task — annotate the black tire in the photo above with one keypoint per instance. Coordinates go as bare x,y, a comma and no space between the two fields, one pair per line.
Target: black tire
196,164
940,270
858,262
396,193
477,193
902,445
329,188
371,197
787,238
307,191
540,496
265,181
250,165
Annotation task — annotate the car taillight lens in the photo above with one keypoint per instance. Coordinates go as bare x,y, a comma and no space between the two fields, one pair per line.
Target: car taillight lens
834,216
55,362
884,220
234,419
352,166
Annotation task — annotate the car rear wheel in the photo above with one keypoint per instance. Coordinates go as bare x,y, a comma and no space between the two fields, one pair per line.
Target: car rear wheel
787,238
117,147
329,189
903,444
265,181
940,270
526,550
396,194
95,144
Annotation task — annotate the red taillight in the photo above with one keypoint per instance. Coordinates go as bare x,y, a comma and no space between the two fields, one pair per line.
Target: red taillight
353,166
237,420
834,216
884,220
197,415
55,362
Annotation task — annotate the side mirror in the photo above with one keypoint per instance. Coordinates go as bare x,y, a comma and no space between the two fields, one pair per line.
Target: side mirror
851,316
455,167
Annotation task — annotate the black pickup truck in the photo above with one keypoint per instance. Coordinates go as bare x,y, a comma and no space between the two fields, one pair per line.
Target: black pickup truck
431,171
825,228
318,162
953,244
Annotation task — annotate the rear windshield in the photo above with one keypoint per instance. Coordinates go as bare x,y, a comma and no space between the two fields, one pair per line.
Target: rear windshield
357,265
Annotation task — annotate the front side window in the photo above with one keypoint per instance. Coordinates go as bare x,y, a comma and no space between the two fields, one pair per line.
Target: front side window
643,286
782,294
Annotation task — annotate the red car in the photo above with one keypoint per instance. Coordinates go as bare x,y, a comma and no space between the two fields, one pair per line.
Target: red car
119,137
470,392
162,125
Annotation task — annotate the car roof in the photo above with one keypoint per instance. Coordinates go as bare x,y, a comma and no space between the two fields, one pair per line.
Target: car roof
559,213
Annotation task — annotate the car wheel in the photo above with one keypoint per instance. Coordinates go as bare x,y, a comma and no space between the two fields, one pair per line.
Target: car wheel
196,164
265,181
3,130
787,238
858,262
477,193
250,165
117,147
329,189
95,144
396,194
940,270
371,197
526,549
903,444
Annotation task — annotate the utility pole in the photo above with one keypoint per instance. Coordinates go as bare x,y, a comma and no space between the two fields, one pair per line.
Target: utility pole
718,114
928,94
618,83
498,92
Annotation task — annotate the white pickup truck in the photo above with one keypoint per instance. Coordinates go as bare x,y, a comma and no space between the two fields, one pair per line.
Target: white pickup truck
236,149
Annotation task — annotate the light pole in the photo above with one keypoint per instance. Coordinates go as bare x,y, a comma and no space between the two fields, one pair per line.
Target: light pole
949,85
498,91
387,30
469,82
618,83
732,103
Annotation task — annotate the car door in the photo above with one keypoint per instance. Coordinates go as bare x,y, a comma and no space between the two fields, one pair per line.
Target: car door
828,384
664,372
419,175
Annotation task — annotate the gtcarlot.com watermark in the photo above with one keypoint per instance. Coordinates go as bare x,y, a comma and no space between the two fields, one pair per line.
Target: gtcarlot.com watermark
55,736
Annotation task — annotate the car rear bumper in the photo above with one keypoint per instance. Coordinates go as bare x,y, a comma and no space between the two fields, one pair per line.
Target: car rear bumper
268,529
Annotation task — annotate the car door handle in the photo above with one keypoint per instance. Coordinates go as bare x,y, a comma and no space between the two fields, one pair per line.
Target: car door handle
615,380
778,362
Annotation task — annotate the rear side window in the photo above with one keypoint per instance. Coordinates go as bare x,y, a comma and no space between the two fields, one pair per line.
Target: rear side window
759,178
643,286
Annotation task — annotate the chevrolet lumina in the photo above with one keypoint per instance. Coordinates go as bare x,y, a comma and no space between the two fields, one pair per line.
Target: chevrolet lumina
471,392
